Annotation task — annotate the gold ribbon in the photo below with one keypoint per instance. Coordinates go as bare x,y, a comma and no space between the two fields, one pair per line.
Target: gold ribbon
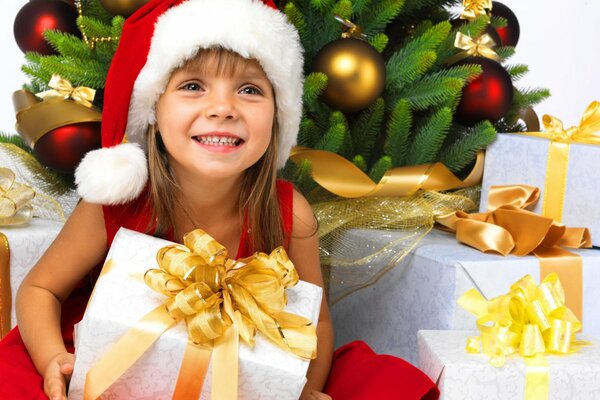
482,46
5,292
341,177
530,320
510,229
15,200
220,300
63,89
558,154
475,8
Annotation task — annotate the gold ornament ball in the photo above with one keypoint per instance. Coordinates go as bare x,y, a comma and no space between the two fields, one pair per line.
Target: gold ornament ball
122,7
355,72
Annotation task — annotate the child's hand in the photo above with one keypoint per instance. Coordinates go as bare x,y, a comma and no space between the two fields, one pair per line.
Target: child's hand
314,395
58,373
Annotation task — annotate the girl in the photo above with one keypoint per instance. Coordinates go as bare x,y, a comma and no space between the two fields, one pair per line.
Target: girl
202,104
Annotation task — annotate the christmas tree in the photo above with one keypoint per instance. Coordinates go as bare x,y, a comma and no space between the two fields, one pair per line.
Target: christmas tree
412,120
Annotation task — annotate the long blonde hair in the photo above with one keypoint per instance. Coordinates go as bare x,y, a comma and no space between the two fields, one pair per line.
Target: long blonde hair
258,201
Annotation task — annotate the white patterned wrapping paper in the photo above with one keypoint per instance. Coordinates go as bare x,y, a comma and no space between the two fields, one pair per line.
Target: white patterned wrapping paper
518,159
421,291
27,244
121,298
464,376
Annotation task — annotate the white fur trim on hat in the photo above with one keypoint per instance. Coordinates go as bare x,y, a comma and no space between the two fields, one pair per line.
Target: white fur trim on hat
112,175
246,27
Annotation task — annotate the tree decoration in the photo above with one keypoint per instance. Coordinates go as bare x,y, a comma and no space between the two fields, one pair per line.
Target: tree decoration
38,16
123,8
355,71
509,34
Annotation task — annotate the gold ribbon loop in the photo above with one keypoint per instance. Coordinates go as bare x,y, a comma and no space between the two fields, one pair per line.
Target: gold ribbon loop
475,8
62,88
15,200
482,46
341,177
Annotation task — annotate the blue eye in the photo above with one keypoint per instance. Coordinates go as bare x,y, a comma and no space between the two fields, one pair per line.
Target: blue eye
250,90
191,86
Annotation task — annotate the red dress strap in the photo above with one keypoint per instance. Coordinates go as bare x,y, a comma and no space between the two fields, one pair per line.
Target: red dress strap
134,215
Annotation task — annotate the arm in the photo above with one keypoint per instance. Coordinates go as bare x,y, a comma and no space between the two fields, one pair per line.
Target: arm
79,247
304,253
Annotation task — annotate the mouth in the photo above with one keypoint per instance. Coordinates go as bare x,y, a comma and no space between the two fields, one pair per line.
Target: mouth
219,140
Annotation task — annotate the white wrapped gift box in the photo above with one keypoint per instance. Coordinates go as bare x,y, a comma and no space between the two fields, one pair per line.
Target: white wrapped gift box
27,244
518,159
121,298
420,292
463,376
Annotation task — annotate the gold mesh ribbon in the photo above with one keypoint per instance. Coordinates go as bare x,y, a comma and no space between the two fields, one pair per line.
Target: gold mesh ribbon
558,154
510,229
15,200
482,46
5,292
529,320
475,8
220,300
63,89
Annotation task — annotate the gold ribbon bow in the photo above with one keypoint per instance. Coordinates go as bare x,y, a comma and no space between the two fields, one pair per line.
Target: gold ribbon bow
343,178
475,8
62,88
509,228
530,320
482,46
15,200
558,154
220,300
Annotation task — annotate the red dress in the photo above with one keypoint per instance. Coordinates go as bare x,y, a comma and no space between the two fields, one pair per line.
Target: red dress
357,372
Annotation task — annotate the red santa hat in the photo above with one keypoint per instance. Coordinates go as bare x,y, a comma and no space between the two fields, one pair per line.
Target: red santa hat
160,37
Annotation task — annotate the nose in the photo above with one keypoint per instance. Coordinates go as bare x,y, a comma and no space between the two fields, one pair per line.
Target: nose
221,105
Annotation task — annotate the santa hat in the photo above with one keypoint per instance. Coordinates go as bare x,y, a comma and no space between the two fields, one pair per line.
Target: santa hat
160,37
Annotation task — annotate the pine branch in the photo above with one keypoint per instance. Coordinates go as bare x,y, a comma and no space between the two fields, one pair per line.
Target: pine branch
324,6
14,139
398,133
94,28
366,128
80,72
361,6
67,45
360,162
381,14
379,41
297,19
462,151
314,85
517,71
430,137
308,134
379,168
530,97
432,90
334,139
93,9
505,52
343,8
472,28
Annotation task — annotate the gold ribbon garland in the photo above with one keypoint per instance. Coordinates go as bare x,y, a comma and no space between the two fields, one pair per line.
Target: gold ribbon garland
63,89
5,292
475,8
341,177
530,320
15,200
558,154
220,300
510,229
482,46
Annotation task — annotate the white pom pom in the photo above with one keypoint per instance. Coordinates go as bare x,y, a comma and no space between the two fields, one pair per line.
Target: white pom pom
113,175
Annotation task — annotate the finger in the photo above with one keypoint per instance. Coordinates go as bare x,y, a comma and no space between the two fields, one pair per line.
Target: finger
65,363
55,388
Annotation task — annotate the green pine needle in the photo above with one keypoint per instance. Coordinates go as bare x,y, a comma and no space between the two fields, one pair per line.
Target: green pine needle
430,137
360,162
379,168
379,41
314,85
462,151
366,129
398,133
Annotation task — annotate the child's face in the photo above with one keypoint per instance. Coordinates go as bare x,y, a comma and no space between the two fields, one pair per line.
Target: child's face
216,125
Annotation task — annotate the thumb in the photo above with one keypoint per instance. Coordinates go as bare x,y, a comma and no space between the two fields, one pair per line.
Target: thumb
66,364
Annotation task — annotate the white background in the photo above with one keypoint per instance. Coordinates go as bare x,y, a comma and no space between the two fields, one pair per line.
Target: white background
559,42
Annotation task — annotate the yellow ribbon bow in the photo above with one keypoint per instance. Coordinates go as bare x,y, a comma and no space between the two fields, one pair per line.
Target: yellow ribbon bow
62,88
482,46
220,300
530,320
15,200
475,8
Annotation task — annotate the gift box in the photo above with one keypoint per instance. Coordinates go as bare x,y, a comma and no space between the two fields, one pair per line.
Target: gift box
27,243
121,298
520,159
420,292
463,376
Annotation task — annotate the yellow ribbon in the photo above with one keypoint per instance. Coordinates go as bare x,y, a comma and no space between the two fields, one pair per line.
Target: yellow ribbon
15,200
558,154
509,228
220,300
62,88
343,178
530,320
475,8
482,46
5,292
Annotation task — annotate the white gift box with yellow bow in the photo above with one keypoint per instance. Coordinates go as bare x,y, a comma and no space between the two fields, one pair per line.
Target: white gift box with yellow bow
121,298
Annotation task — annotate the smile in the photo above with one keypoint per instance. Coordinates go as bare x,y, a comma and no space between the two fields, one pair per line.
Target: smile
228,141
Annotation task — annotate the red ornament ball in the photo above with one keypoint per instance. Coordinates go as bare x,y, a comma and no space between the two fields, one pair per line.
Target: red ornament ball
488,96
63,148
38,16
509,35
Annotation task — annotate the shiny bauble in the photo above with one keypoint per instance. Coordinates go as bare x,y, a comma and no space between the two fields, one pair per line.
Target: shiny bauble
456,23
38,16
123,8
509,35
487,97
355,72
63,148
